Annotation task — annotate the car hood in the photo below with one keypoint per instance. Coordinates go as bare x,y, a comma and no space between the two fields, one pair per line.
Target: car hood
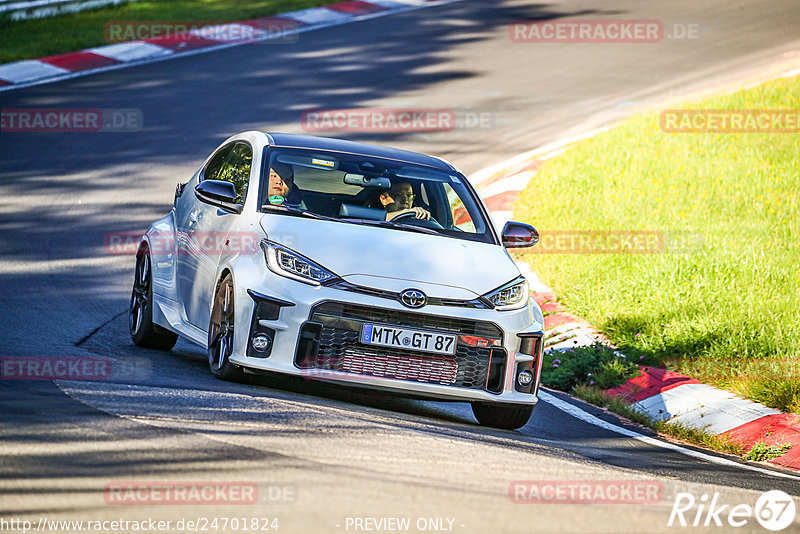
394,259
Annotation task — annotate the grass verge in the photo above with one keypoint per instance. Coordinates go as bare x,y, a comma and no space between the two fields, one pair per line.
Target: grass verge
676,431
596,365
30,39
587,371
723,310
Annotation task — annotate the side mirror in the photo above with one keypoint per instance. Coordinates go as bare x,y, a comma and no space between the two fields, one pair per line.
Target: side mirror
218,193
519,235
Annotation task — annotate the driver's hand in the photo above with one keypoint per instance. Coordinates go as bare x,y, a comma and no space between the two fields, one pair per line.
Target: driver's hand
420,213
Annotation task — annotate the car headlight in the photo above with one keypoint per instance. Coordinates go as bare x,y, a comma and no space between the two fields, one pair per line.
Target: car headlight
288,263
511,296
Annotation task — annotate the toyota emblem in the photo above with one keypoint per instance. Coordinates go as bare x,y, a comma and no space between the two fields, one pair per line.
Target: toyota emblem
413,298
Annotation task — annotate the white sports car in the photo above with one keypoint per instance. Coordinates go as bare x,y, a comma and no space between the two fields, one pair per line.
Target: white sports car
345,262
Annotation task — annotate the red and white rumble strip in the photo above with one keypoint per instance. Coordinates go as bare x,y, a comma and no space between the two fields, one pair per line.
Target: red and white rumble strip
662,394
672,397
114,56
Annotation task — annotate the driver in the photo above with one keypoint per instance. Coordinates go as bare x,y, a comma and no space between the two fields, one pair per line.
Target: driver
399,199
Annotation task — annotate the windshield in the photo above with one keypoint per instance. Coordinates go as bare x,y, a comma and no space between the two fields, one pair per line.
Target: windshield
371,191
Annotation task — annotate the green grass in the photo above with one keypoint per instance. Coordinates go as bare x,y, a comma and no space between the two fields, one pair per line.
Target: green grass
761,452
587,366
701,438
726,311
57,35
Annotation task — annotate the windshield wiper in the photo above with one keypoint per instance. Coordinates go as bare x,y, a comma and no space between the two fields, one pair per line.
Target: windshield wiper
400,226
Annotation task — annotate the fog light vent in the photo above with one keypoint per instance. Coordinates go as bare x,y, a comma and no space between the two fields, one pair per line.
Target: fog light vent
495,378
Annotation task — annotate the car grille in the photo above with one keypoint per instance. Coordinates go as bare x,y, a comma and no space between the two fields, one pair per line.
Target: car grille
392,295
340,350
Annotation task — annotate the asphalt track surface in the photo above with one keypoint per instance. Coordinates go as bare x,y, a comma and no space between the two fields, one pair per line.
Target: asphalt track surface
341,453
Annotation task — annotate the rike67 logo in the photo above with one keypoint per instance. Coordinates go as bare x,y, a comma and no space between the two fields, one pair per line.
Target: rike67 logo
774,510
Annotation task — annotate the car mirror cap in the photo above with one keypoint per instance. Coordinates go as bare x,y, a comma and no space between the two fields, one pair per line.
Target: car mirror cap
218,193
519,235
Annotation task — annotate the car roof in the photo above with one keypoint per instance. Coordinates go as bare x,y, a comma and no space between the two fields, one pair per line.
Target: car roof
354,147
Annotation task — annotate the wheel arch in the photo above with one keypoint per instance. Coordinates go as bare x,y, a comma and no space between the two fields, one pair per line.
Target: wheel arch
226,270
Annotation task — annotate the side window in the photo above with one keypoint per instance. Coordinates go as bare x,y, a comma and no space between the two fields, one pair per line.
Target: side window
232,164
461,217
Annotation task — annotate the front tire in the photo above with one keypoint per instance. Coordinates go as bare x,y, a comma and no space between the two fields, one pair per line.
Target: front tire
505,416
220,334
144,332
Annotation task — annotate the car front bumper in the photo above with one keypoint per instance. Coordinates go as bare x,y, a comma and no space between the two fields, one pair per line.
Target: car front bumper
314,330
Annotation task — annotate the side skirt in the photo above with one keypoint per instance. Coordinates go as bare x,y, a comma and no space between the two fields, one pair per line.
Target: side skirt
167,314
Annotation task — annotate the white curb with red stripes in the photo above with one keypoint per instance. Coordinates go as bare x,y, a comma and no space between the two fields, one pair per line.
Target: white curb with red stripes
702,406
121,55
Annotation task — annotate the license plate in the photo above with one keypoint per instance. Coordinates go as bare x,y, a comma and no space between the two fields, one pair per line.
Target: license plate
406,338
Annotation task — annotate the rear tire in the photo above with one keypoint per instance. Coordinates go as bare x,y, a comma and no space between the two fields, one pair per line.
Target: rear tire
220,335
505,416
144,332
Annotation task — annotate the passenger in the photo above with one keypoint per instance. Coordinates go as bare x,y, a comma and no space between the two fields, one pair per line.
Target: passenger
281,180
281,189
399,200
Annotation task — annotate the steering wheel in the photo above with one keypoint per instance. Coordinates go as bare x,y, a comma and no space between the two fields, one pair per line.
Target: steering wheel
412,220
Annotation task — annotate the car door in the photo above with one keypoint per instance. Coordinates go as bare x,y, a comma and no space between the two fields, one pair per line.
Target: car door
204,231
